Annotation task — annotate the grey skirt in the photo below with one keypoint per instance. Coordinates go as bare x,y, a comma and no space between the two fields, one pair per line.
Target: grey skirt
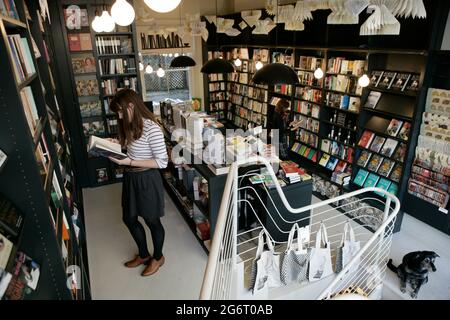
143,194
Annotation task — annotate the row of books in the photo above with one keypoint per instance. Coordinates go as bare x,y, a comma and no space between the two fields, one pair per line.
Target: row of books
437,177
217,86
310,63
111,86
369,179
293,173
79,42
308,94
21,55
343,119
274,101
250,115
431,182
251,92
307,78
220,115
383,166
284,58
114,45
117,66
438,102
87,87
91,109
8,8
30,109
283,89
305,122
343,84
85,64
216,106
157,41
307,109
307,137
305,151
428,193
339,150
346,67
216,77
334,164
384,146
218,96
341,178
343,101
239,77
396,81
93,128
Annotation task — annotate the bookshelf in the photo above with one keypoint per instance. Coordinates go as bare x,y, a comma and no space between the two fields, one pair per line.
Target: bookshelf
44,193
102,64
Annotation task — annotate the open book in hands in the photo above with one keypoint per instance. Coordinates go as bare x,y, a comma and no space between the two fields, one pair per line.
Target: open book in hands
101,147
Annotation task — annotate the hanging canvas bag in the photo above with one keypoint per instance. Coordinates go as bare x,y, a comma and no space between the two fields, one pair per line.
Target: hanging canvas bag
266,266
348,249
295,261
320,265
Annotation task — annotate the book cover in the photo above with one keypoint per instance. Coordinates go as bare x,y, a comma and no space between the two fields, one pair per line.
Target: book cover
366,139
332,163
6,247
11,220
302,149
377,144
341,166
307,151
5,279
372,99
326,146
74,42
388,78
361,177
394,127
3,158
25,278
400,81
393,189
386,167
354,104
383,184
400,153
311,154
389,147
102,147
364,158
324,160
375,163
375,78
371,180
404,131
413,83
396,173
85,41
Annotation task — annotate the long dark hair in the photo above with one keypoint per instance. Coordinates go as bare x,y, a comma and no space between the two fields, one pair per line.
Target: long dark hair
130,129
282,106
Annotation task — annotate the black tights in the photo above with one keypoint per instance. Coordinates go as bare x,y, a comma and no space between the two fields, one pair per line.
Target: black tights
138,233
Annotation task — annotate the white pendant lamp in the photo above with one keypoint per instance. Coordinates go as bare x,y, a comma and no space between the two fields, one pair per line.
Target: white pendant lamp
141,66
259,65
318,74
160,72
364,81
97,25
123,13
238,62
162,6
107,22
148,69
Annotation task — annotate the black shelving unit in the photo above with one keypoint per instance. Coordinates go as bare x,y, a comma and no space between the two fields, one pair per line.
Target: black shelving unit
48,235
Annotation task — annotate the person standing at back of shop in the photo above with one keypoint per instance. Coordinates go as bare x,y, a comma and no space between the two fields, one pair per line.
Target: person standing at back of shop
279,121
143,192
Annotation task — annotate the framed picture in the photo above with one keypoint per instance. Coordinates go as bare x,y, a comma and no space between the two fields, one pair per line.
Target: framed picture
197,104
102,175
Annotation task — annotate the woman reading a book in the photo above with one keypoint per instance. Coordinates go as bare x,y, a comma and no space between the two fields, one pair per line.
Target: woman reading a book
143,192
280,116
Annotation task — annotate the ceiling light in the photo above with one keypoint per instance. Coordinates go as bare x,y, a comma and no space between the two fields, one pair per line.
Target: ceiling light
148,69
162,6
364,81
176,55
318,74
238,62
107,22
217,65
97,25
141,66
182,62
274,74
123,13
160,73
259,65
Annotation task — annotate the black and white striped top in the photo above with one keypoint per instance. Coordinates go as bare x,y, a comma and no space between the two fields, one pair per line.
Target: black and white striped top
150,145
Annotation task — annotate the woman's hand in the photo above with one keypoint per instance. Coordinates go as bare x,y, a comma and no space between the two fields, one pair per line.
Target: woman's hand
123,162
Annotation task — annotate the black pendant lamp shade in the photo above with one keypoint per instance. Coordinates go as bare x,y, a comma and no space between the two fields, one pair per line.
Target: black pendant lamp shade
217,66
274,74
182,62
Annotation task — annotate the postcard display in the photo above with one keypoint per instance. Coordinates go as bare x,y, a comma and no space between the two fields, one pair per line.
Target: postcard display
101,64
346,136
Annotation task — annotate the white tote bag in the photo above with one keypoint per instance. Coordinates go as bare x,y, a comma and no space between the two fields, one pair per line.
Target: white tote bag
320,265
294,262
266,266
348,249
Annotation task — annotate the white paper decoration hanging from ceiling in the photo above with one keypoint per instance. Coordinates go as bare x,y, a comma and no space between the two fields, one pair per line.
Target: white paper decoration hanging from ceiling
251,17
286,14
271,7
302,11
211,19
243,25
318,4
381,22
339,14
355,7
409,8
294,26
264,26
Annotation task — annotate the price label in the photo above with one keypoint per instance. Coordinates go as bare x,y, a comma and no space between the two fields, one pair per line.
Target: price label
443,210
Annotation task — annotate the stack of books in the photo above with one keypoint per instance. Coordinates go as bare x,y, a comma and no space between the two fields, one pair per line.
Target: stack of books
342,178
291,171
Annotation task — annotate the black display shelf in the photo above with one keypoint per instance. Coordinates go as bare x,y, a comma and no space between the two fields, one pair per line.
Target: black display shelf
342,110
300,99
371,171
381,155
38,131
115,55
306,144
339,126
344,93
10,22
394,92
119,75
27,81
324,137
305,115
340,159
387,114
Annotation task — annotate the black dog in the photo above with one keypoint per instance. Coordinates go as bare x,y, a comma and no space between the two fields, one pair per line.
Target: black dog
414,270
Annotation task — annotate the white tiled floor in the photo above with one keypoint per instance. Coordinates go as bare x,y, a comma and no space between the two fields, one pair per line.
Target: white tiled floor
109,245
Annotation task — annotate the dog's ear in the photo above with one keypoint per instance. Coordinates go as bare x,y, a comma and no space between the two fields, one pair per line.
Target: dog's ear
435,255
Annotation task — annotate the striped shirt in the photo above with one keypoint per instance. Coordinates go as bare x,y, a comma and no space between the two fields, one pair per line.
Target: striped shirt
150,145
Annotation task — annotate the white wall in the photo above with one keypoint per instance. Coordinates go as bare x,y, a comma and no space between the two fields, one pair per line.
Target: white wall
446,40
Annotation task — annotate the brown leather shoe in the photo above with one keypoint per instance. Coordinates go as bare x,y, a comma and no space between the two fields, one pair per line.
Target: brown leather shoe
153,267
136,262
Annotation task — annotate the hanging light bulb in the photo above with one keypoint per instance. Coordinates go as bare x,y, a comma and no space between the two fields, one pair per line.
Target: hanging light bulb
97,24
259,65
238,62
176,55
364,81
160,72
148,69
162,6
123,13
107,22
141,66
318,74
